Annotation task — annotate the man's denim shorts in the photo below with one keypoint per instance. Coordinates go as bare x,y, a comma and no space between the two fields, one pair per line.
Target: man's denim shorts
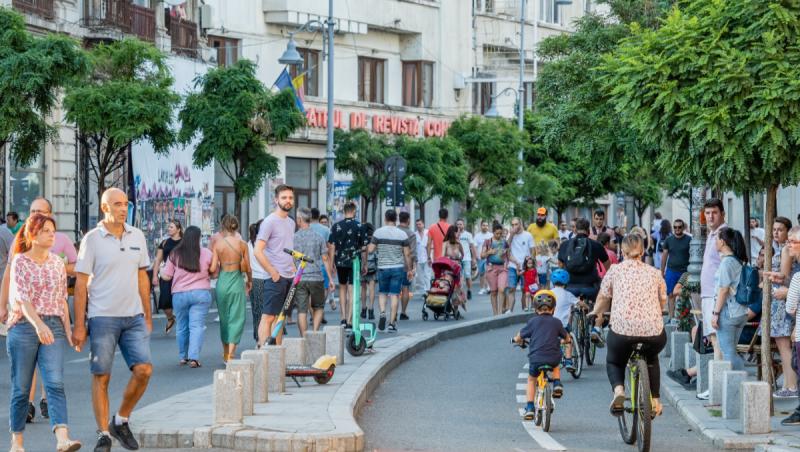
390,280
130,333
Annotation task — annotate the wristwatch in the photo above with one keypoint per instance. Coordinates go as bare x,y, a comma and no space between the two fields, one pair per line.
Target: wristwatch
715,312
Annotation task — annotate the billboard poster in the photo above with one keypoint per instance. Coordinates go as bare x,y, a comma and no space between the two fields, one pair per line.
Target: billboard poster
339,199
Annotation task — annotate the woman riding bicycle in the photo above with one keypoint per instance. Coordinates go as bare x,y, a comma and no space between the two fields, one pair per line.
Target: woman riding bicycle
639,296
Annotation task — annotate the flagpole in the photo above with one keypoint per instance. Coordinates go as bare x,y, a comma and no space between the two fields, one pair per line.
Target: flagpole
329,156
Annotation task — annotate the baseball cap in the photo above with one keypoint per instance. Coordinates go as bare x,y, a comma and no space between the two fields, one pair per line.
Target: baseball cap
541,211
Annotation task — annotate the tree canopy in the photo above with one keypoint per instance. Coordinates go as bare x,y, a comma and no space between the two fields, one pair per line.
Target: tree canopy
363,156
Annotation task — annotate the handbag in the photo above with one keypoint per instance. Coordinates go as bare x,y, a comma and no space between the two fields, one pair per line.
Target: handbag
701,343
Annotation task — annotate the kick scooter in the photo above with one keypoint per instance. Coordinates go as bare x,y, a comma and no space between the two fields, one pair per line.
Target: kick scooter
364,334
322,370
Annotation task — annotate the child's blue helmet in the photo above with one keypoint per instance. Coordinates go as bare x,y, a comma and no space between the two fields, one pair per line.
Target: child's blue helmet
560,277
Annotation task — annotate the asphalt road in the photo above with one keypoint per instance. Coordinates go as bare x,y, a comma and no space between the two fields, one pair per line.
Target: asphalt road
462,395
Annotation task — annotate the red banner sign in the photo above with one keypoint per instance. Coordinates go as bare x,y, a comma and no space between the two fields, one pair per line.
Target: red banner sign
379,123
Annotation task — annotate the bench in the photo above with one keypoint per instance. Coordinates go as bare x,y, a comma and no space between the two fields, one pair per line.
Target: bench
753,348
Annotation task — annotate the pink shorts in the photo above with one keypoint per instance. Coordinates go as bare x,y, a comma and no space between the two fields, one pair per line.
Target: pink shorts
497,277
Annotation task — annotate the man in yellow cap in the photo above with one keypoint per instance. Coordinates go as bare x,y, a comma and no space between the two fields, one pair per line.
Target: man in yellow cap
542,230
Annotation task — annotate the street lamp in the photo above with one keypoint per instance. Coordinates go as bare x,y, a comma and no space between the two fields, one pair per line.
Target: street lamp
292,57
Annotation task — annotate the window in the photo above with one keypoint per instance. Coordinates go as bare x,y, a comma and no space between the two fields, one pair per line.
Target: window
482,97
529,95
418,84
587,6
370,79
311,69
227,50
549,11
301,174
27,184
485,6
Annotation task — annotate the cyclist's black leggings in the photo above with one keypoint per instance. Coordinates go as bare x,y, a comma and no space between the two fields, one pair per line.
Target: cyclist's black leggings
620,349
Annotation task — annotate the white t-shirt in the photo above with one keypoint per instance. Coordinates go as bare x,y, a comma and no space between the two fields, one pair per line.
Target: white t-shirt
480,239
422,245
542,264
564,235
521,246
466,240
564,303
755,247
258,270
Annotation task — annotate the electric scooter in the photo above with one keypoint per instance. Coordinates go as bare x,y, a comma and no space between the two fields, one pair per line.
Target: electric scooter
322,370
364,334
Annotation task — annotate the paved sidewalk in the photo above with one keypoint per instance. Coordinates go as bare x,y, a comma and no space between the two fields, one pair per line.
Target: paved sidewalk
312,417
724,433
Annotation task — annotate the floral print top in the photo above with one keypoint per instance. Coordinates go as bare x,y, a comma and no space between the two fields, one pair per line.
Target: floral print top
636,290
43,285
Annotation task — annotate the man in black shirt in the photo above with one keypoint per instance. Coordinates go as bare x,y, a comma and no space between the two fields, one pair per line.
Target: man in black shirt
674,259
347,239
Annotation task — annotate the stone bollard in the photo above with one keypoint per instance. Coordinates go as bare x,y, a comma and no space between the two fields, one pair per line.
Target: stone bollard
677,340
689,356
247,369
756,397
716,370
260,360
669,329
334,342
228,397
732,393
702,370
295,350
277,368
315,345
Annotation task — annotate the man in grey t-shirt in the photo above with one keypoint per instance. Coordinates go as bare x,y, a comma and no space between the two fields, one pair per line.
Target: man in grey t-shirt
311,288
112,277
394,257
405,292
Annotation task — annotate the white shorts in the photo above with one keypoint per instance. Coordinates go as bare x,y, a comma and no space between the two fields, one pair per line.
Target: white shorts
707,306
466,269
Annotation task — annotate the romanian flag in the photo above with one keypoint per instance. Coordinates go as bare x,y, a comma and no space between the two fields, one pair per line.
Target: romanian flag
285,81
298,83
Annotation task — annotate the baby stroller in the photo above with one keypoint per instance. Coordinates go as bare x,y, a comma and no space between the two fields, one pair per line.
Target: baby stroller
442,298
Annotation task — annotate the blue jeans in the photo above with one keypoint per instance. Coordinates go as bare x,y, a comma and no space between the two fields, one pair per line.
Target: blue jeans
728,336
190,310
24,352
390,280
130,333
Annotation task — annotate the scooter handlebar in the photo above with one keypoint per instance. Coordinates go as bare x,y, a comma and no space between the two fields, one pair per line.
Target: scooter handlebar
298,255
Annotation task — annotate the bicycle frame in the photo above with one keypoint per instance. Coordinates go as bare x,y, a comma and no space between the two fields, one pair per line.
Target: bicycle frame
287,305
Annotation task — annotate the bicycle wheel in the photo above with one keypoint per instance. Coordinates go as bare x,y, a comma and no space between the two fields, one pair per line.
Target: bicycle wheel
577,357
547,409
627,420
538,411
644,407
589,348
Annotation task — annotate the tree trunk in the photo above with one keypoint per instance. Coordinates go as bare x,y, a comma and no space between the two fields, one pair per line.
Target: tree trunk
746,230
237,208
421,205
766,352
375,202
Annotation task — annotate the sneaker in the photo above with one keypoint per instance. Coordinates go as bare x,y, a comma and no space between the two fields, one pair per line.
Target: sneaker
597,337
691,385
569,365
344,322
469,295
483,292
364,313
43,409
403,316
680,376
785,394
794,419
103,443
392,328
371,314
382,322
558,389
31,413
122,433
324,322
703,395
530,410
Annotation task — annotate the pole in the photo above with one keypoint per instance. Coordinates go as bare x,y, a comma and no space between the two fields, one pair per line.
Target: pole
329,156
521,89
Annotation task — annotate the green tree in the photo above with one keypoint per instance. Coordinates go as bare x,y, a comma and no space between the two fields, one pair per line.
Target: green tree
490,148
236,116
33,70
363,156
434,167
126,98
715,90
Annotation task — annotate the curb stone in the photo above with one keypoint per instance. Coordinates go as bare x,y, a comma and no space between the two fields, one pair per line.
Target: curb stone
347,401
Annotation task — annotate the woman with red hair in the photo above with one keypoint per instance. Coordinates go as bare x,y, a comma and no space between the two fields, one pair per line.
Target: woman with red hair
39,328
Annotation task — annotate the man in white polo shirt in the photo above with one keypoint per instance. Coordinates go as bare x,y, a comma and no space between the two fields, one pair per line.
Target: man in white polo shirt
112,271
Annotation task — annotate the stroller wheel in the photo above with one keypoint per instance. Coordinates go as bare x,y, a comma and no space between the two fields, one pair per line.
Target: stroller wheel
424,315
457,315
446,317
435,316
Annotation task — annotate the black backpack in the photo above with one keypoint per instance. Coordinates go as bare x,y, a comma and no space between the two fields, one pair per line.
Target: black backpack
578,258
747,291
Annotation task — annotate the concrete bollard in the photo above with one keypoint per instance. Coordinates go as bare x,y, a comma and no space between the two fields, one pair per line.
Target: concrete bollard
260,360
228,397
756,397
677,340
295,350
276,379
315,345
689,356
669,329
732,393
702,370
334,342
716,370
247,369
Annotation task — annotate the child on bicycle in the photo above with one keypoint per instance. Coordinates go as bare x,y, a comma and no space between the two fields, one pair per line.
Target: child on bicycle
564,303
530,278
544,333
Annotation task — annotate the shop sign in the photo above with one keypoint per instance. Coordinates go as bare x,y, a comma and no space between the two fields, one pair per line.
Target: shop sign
385,124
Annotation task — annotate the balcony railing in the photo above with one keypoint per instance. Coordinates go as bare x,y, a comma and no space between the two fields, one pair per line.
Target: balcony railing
184,37
43,8
121,15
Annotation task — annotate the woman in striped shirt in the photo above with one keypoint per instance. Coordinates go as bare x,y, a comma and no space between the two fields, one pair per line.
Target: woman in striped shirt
792,301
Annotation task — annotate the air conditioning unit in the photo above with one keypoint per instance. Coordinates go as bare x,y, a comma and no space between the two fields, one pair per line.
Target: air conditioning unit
207,19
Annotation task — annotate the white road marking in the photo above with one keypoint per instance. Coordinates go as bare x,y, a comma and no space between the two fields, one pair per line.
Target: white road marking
523,376
522,386
521,398
526,366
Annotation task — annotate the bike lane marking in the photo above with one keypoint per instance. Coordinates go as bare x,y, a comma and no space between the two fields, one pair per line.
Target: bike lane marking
540,436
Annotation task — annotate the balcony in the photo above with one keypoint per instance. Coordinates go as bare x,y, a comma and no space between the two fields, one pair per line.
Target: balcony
42,8
120,15
184,36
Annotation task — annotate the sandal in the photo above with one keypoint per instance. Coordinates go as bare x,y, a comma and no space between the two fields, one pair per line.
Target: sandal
15,448
183,362
657,408
194,364
68,446
170,324
617,405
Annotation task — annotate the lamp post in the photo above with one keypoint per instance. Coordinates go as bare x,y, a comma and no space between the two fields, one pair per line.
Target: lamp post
292,57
